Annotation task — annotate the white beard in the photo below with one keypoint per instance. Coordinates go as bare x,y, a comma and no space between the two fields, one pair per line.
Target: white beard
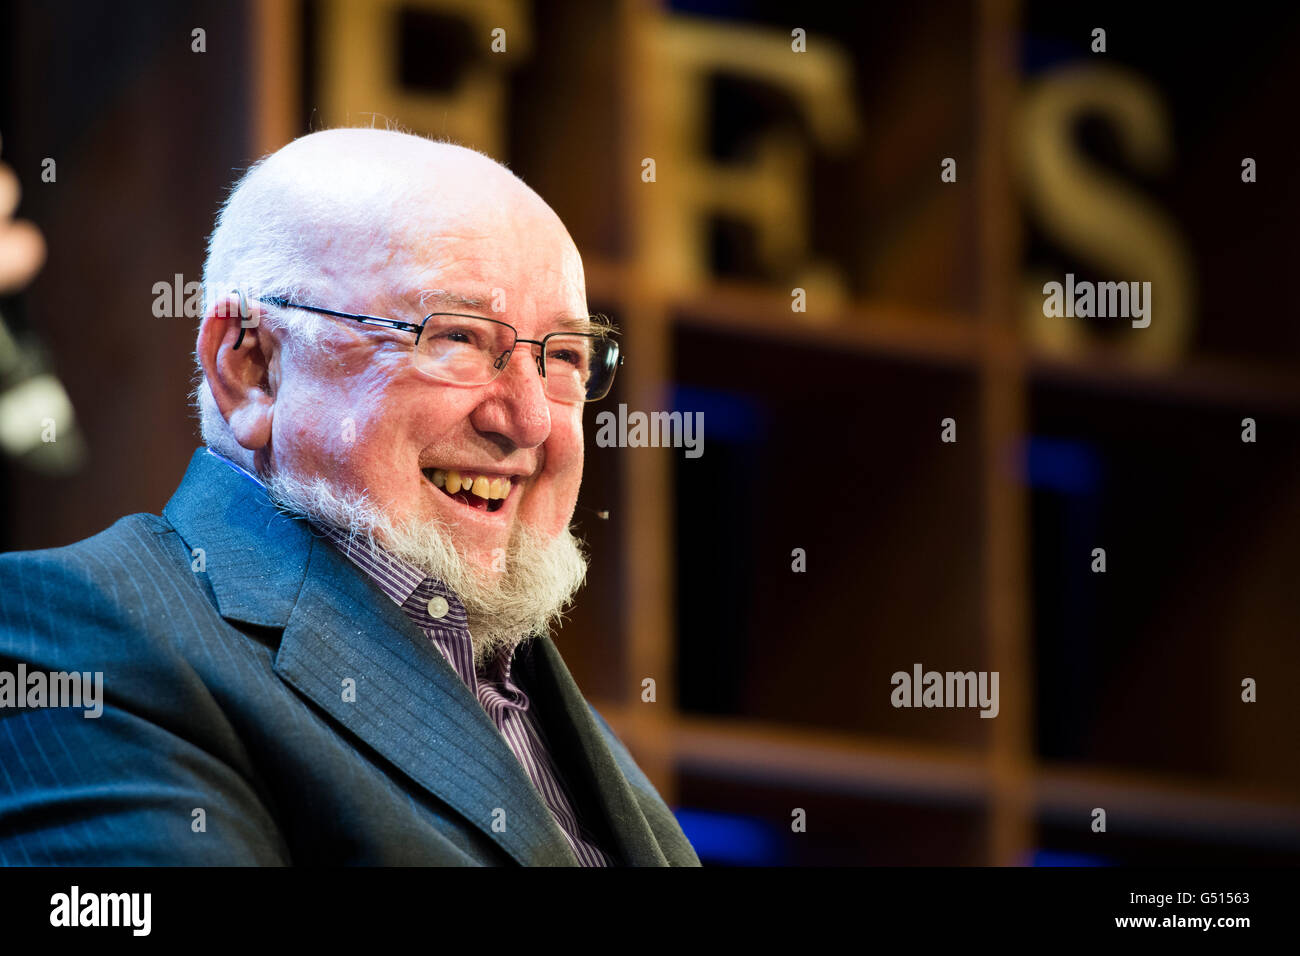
504,608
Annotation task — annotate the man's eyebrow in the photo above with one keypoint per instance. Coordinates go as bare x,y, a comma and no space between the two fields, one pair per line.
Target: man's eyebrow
580,323
444,298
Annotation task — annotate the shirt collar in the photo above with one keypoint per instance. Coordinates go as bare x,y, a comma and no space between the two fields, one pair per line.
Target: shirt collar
247,474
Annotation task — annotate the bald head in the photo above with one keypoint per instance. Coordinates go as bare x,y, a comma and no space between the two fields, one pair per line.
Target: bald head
343,201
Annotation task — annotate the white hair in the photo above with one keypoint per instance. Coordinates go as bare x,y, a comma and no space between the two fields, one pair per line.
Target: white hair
527,597
255,250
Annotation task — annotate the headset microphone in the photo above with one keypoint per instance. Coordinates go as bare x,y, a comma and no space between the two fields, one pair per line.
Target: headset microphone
244,310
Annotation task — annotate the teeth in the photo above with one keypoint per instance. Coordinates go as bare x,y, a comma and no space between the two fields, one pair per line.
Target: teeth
488,489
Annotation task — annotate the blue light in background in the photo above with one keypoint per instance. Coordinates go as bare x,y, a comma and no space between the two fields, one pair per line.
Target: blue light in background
729,416
1061,464
726,838
1057,858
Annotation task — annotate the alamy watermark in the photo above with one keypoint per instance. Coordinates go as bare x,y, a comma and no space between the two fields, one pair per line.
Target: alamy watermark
191,300
23,689
653,430
946,689
75,908
1103,300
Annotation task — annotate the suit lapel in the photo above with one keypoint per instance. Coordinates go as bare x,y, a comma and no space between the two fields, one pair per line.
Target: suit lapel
410,705
584,756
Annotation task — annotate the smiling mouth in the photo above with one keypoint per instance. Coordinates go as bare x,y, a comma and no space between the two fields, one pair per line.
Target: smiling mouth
481,492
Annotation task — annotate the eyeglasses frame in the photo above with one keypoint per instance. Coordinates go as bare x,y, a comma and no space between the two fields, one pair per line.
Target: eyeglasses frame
498,364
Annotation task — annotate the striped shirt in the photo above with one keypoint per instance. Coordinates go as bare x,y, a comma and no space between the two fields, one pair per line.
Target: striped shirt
440,616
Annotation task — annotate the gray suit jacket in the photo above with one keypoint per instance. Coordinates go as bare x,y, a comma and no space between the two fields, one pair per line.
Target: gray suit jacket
224,693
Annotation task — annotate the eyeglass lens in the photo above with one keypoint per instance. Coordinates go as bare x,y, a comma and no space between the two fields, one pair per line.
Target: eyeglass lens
469,350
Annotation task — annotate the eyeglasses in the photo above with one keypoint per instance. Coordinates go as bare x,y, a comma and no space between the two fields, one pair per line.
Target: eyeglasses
473,349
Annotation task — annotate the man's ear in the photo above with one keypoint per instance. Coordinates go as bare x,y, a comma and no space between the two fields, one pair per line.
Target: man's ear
240,378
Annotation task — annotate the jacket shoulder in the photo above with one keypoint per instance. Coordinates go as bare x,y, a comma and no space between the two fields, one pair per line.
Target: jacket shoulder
129,531
105,590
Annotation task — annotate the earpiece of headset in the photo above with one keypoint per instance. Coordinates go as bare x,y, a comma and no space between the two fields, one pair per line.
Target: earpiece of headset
243,311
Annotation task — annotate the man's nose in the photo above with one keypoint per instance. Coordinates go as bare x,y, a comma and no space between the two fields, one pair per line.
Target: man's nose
516,407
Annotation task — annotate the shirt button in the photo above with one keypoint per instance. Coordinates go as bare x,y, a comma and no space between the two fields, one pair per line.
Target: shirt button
438,607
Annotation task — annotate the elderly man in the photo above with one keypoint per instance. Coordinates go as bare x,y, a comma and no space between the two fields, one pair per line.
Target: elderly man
333,645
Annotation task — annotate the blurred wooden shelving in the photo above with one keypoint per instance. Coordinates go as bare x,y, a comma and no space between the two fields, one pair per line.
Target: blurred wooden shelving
1014,787
760,751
